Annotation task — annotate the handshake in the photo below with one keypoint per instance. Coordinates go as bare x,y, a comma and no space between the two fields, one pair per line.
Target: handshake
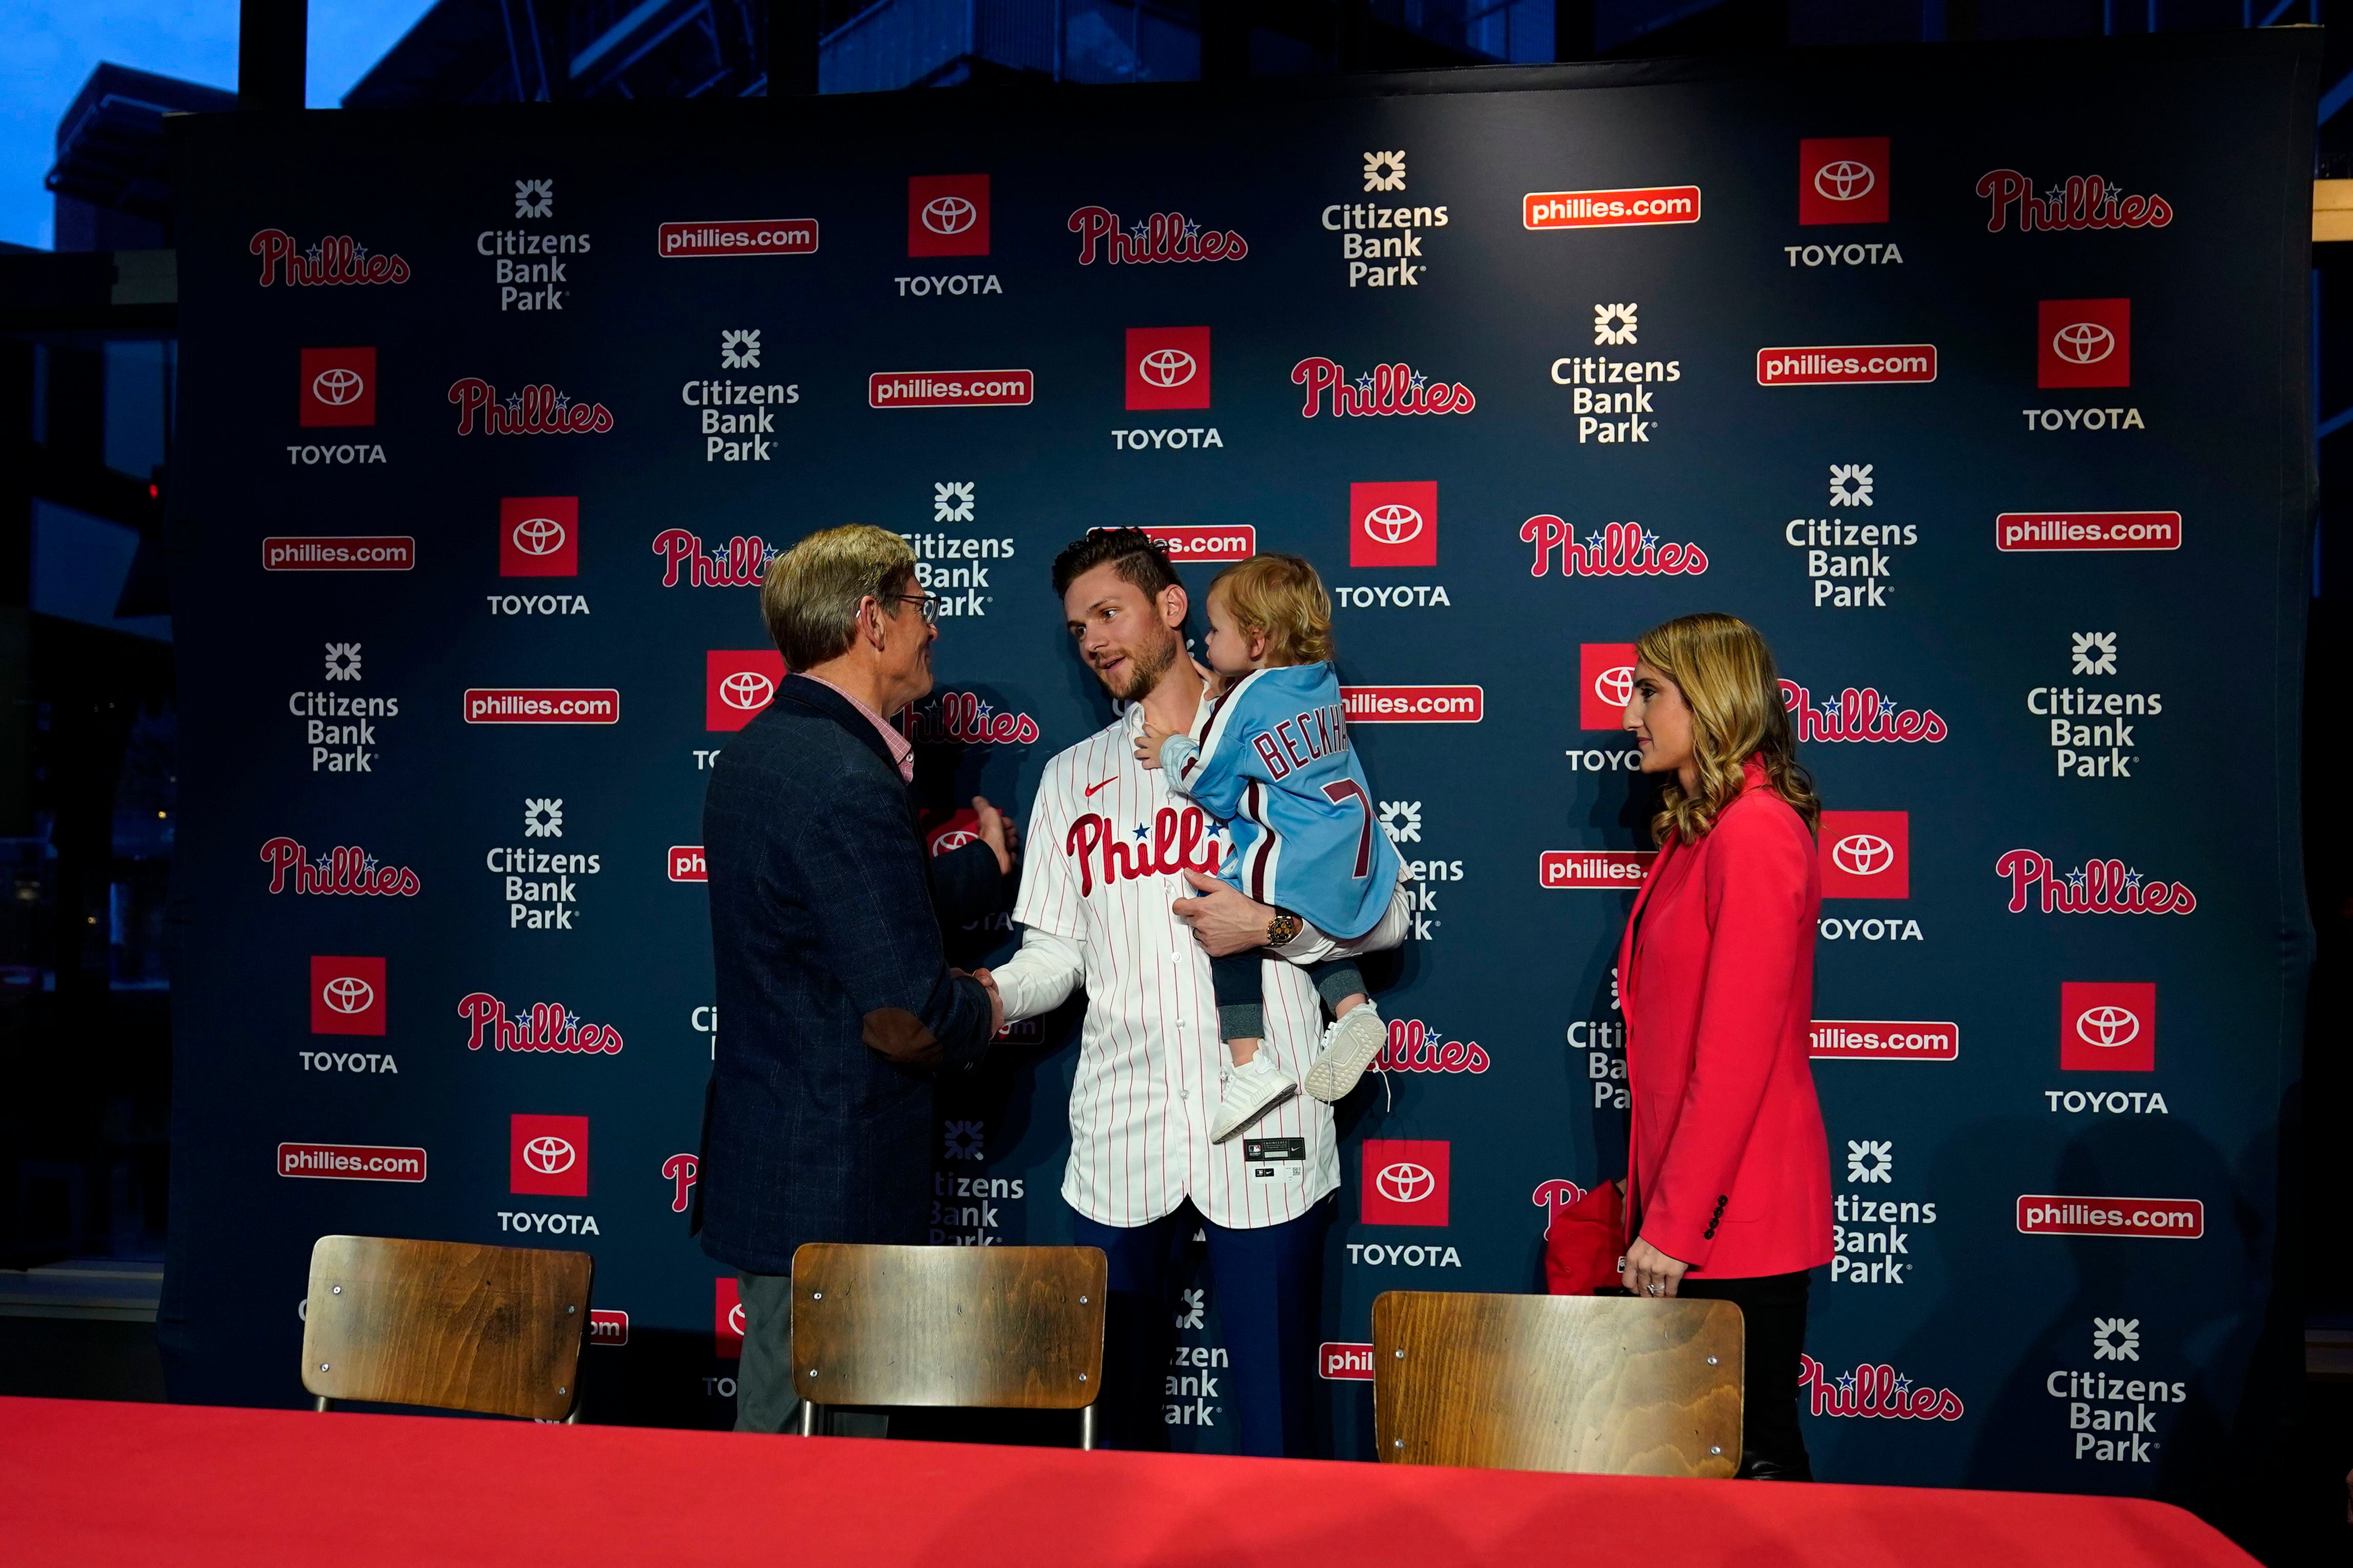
996,830
996,1001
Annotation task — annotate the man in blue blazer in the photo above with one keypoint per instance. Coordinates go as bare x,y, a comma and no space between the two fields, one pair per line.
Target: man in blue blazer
825,920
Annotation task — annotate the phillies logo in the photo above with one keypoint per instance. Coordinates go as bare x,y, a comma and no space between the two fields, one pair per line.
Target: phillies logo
1385,389
1404,1181
1863,715
1393,524
1875,1391
727,1327
338,387
1414,1046
1163,236
1556,1196
2083,342
548,1155
680,1171
1865,854
1175,842
347,995
737,683
2084,201
962,717
1620,550
1842,179
1167,367
337,259
545,1027
539,536
1605,684
535,411
2108,1026
742,562
947,214
2095,888
350,870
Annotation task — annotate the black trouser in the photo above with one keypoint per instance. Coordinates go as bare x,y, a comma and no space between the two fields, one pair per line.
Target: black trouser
1772,1448
1240,986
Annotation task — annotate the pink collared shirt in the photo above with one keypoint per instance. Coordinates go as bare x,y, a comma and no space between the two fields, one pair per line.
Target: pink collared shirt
902,751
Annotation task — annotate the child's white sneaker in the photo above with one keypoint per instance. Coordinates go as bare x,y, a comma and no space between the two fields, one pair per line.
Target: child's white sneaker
1350,1045
1252,1089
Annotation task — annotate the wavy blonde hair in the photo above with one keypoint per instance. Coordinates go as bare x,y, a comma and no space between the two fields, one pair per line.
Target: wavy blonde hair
1281,597
1727,678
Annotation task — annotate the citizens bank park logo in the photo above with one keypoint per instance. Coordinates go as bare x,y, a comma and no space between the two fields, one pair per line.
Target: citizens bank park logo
1167,367
2108,1026
1865,854
947,214
737,684
350,870
736,237
543,1027
1842,179
538,410
338,388
1385,389
1610,209
1188,542
1622,869
539,536
337,259
1404,1181
965,718
727,1319
1875,1391
1163,236
347,995
548,1155
2082,201
2083,342
2095,888
1393,524
1860,715
1619,550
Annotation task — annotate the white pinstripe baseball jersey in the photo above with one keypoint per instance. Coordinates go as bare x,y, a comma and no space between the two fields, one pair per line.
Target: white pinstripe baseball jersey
1106,849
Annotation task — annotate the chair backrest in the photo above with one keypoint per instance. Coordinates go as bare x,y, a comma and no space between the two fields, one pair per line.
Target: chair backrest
496,1330
1604,1385
1004,1327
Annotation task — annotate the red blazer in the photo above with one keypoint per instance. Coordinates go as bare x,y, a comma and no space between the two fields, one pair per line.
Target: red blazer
1728,1168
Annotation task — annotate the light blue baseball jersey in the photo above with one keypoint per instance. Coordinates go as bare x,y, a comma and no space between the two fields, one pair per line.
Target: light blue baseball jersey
1274,764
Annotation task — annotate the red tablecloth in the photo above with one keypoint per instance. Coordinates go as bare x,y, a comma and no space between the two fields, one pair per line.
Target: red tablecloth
86,1484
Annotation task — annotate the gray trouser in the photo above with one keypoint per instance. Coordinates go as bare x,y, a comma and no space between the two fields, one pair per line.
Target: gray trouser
765,1397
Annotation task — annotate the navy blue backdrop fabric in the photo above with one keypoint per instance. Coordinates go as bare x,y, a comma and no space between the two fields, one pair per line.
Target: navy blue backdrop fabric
1975,378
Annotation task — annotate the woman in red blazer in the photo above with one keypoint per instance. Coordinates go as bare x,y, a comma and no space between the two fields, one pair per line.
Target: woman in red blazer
1728,1193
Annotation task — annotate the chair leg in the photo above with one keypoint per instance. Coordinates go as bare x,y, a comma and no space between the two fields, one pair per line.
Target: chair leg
573,1419
325,1404
1086,1427
809,1419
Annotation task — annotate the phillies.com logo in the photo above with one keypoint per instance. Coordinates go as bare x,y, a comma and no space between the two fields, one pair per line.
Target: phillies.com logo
2095,888
535,411
1620,550
962,717
544,1027
2083,201
740,562
1178,842
1860,715
350,870
1163,236
1875,1391
337,259
681,1170
1414,1046
1385,389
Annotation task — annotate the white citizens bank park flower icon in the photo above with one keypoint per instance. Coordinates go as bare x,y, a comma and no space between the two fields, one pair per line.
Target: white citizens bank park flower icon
549,1155
1385,171
543,818
2116,1339
1614,324
1849,484
1870,1161
1405,1181
347,994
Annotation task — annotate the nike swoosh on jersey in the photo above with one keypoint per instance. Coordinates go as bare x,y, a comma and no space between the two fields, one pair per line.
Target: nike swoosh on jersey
1091,788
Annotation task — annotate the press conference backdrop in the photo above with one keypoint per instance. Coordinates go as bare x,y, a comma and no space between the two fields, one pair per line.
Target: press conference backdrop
1975,378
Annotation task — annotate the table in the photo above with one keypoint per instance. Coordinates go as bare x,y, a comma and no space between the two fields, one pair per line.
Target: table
84,1484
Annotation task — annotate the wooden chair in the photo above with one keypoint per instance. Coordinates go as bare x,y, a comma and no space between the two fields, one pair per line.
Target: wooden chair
1603,1385
494,1330
1005,1328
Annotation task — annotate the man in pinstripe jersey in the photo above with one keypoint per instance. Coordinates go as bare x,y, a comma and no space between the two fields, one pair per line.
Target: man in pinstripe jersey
1118,895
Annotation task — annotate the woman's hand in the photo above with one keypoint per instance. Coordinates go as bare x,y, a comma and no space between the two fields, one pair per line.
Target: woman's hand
1650,1272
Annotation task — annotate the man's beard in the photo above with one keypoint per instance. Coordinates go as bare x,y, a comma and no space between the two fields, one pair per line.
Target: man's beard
1144,669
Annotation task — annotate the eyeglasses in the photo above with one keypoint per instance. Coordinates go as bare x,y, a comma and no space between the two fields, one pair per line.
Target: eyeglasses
930,602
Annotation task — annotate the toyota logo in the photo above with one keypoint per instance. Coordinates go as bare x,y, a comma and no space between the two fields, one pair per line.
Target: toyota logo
1863,854
1615,687
548,1154
2107,1027
1406,1182
949,215
956,839
1394,523
1167,367
2083,342
347,994
746,690
539,536
1844,180
736,1320
337,387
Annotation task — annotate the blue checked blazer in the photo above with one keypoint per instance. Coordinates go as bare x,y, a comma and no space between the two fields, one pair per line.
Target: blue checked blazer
836,1004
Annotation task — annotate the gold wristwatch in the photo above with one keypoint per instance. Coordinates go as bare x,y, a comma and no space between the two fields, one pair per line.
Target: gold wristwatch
1282,928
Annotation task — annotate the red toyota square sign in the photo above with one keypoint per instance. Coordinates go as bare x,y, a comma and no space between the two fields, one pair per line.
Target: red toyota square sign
346,995
2083,342
2108,1026
1404,1181
737,683
1865,854
1605,684
1842,179
338,387
1393,524
539,536
1167,367
727,1319
947,214
548,1155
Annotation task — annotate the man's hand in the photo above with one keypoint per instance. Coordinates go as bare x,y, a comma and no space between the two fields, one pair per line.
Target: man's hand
1147,744
1650,1272
996,1001
1223,920
998,831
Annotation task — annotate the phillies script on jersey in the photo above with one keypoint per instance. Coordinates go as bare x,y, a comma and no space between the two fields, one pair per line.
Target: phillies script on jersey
1180,841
